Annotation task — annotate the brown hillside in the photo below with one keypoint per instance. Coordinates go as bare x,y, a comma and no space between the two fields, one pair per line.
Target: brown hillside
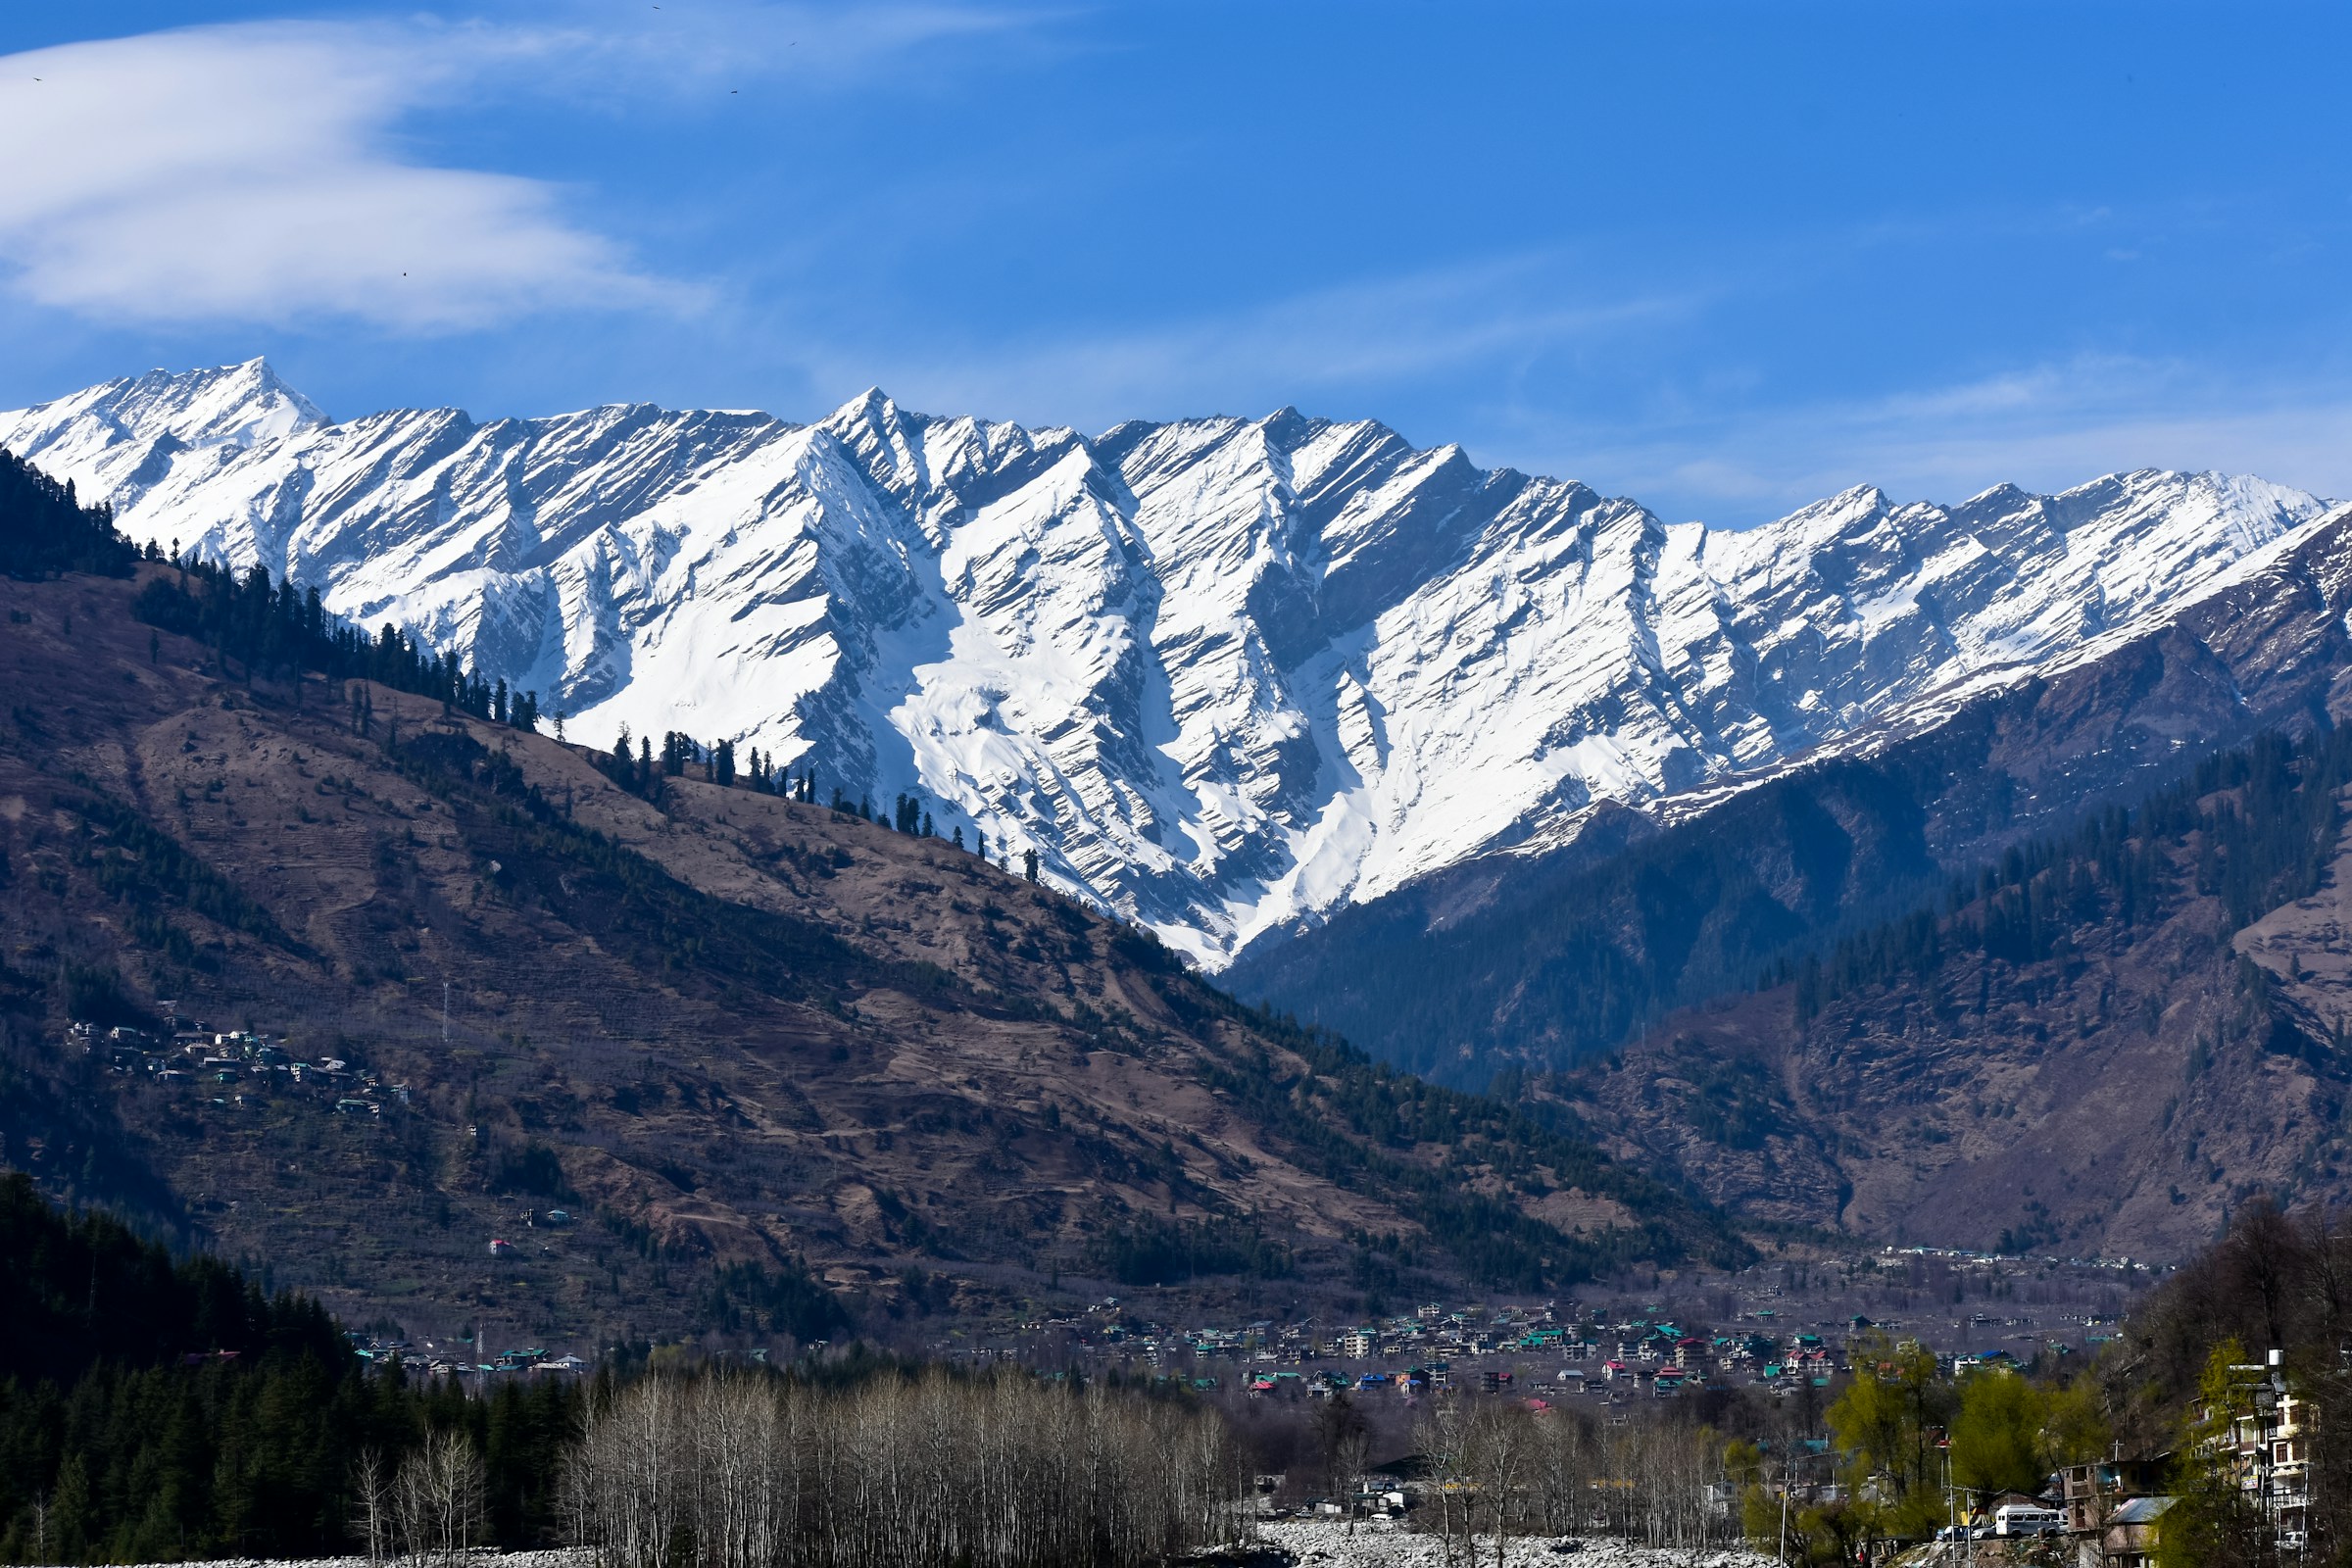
2125,1097
723,1029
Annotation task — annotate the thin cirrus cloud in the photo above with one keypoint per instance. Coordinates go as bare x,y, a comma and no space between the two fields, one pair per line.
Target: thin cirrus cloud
1479,318
2044,427
254,172
248,173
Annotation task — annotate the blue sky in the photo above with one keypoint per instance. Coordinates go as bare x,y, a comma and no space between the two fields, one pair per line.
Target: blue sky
1724,259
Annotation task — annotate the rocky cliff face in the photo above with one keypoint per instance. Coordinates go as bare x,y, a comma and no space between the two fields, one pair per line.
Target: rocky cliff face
1226,676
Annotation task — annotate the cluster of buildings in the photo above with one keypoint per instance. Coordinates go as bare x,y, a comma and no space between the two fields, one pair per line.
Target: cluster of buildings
1555,1349
2258,1441
461,1360
234,1065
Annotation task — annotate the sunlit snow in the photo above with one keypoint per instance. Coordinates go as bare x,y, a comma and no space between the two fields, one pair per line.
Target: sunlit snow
1224,675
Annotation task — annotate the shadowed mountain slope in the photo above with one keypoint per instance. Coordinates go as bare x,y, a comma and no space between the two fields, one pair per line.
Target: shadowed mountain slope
727,1032
2110,1041
1537,961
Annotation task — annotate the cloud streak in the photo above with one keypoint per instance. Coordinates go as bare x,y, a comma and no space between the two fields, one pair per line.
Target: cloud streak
256,173
2044,427
1478,318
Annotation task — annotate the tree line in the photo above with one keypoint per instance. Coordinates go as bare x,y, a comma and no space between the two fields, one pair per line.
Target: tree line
994,1471
160,1408
2254,827
44,528
271,626
636,766
154,1408
1496,1469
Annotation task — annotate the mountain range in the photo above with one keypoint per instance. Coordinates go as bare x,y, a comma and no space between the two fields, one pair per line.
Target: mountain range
1228,677
1702,852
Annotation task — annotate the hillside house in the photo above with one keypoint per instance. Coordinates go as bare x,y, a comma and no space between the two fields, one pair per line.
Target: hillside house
2129,1540
2266,1443
2092,1493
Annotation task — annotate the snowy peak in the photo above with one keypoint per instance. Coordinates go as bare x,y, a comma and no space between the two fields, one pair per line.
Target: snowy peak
1223,675
120,437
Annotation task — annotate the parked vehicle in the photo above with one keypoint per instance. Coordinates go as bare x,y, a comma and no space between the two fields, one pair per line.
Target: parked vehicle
2021,1519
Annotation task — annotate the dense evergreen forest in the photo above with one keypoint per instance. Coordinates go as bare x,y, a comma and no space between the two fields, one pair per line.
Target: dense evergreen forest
2253,827
1573,953
274,627
45,529
160,1408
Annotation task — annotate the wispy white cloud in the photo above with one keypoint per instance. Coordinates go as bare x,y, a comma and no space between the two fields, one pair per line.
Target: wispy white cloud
1485,316
258,173
2044,427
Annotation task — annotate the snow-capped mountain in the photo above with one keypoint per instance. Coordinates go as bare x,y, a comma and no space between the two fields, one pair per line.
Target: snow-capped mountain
1223,675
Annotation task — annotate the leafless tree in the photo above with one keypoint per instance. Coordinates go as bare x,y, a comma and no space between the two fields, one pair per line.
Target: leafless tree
372,1504
1442,1437
1497,1468
1498,1455
437,1499
996,1472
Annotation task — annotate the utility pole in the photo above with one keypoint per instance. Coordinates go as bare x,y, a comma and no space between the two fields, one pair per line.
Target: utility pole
1788,1481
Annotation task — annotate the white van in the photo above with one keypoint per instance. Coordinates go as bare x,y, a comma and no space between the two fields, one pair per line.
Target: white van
2025,1519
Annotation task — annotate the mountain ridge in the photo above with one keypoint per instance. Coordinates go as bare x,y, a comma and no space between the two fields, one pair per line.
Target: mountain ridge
1227,676
1540,957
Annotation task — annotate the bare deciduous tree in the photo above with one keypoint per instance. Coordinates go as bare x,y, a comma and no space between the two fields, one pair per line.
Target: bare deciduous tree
1496,1468
372,1504
736,1471
437,1499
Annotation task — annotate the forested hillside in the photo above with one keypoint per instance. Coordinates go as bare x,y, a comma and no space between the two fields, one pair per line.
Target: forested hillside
771,1060
160,1409
2110,1040
44,528
1536,961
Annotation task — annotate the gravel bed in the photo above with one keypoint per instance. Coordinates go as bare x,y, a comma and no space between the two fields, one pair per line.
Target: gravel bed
1380,1543
560,1557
